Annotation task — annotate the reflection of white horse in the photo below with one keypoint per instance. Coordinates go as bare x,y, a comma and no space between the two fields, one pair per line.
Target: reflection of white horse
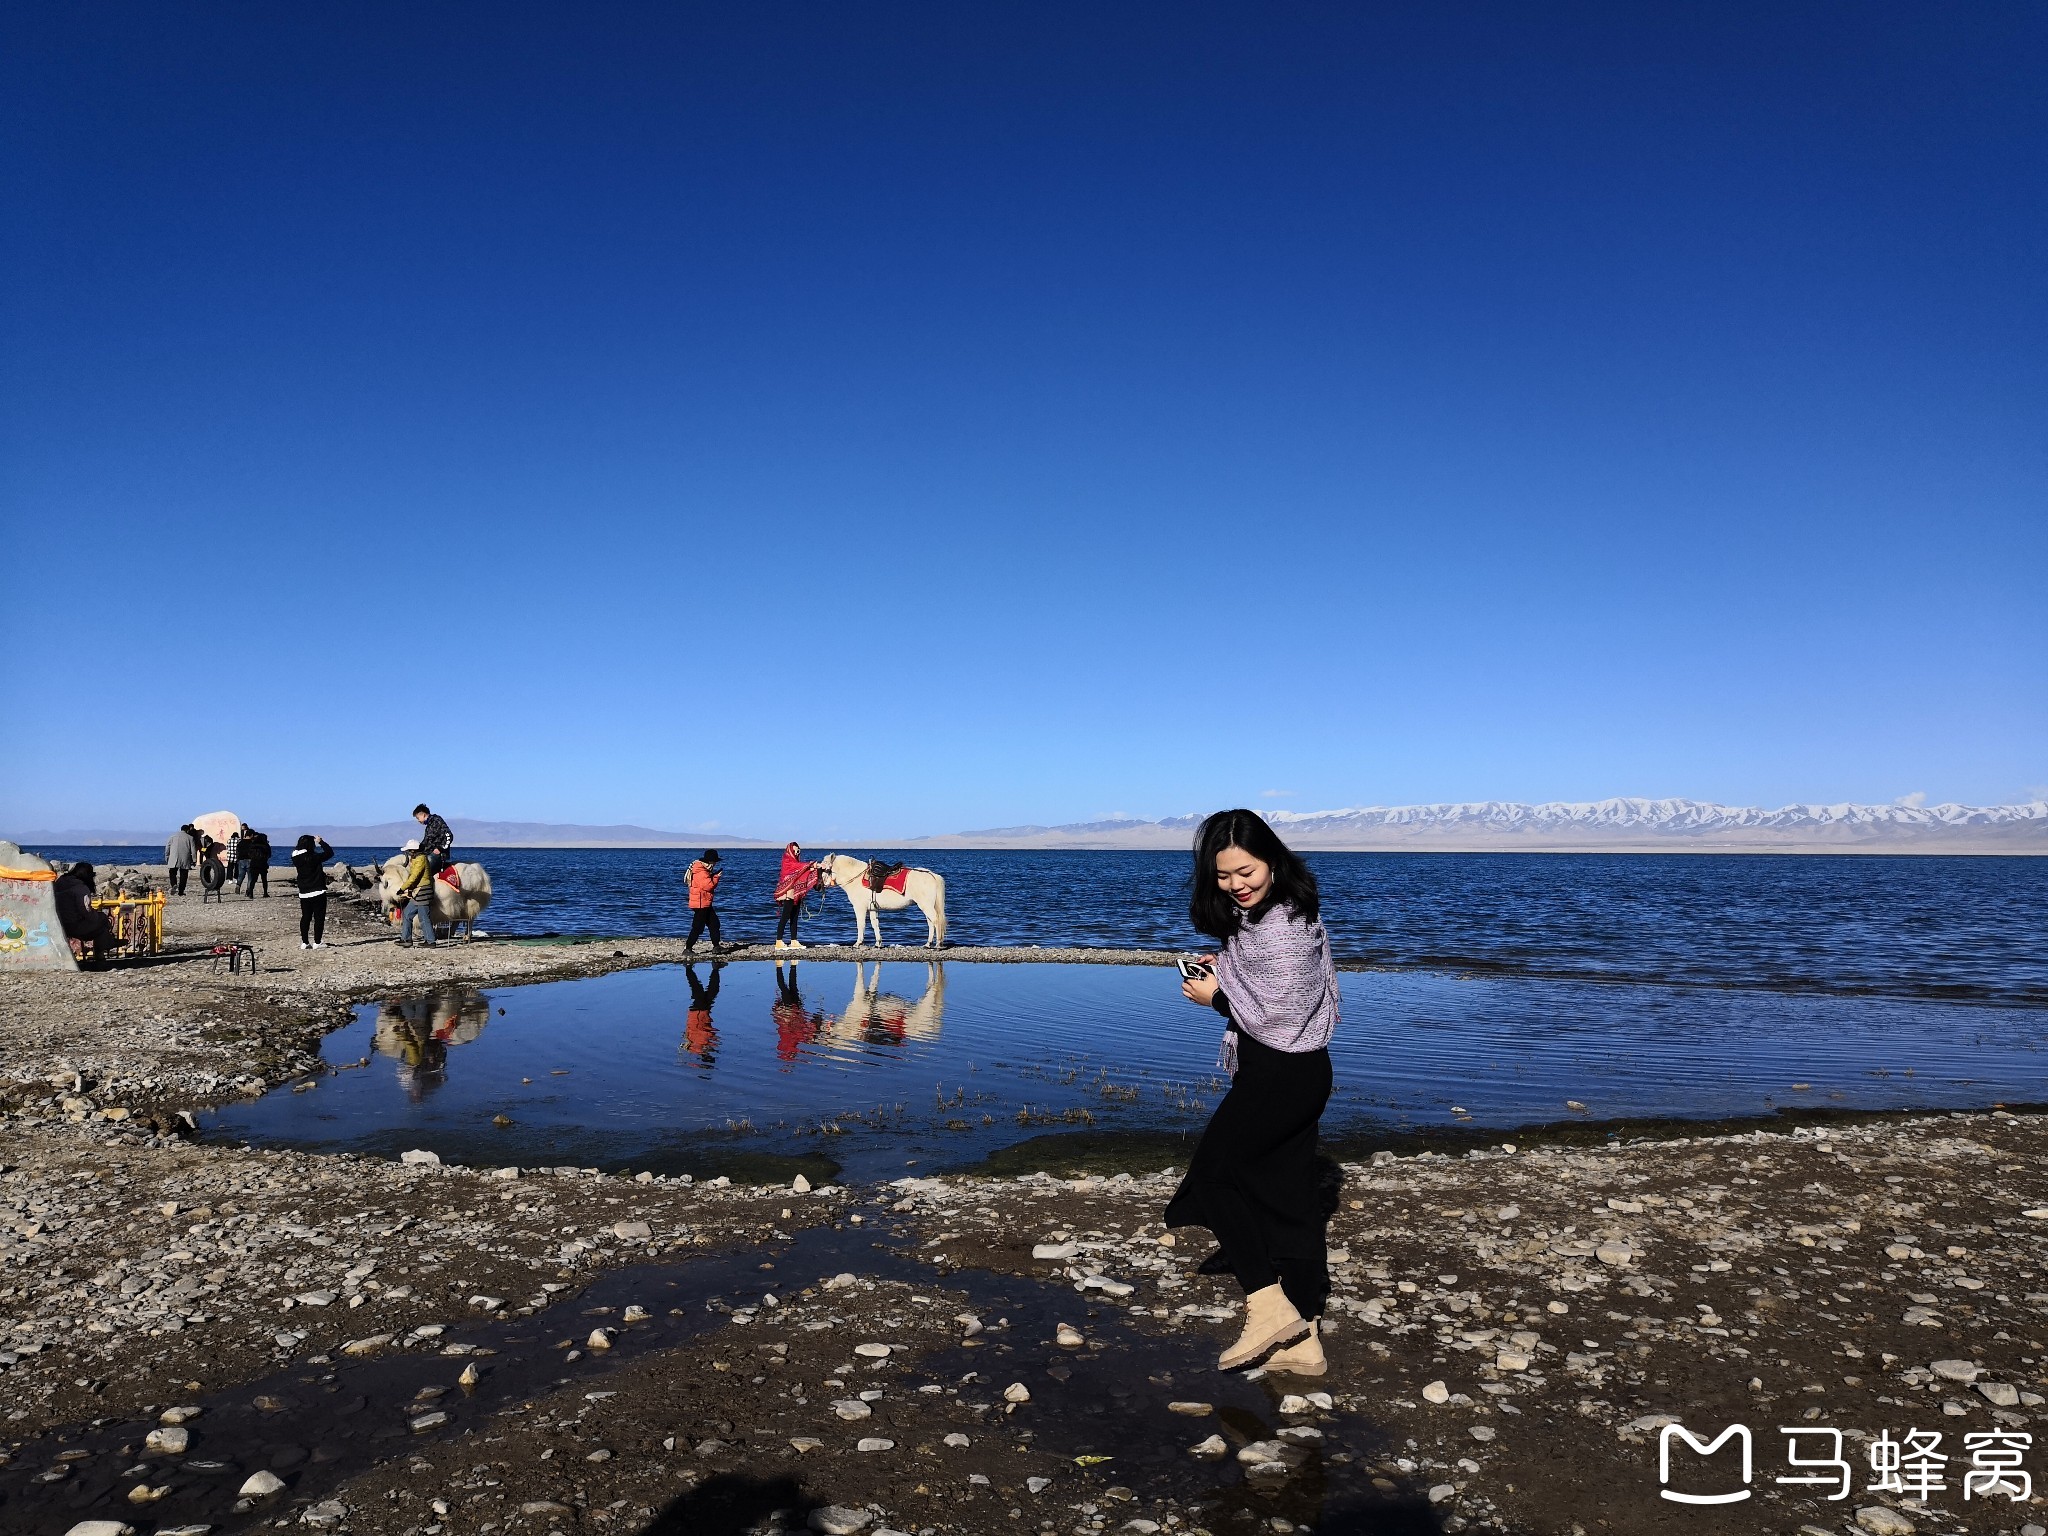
878,1017
923,887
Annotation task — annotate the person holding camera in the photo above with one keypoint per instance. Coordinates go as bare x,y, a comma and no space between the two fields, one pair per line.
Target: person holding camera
1253,1180
703,876
309,869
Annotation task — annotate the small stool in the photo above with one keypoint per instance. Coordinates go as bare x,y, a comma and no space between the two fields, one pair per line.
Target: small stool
233,954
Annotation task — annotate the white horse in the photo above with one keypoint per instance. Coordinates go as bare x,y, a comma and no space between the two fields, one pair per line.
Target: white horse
922,887
451,907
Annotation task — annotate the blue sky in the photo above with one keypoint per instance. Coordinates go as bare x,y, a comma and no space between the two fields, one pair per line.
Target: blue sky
897,418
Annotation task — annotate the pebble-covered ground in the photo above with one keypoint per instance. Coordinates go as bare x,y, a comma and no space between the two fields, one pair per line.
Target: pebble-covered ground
208,1337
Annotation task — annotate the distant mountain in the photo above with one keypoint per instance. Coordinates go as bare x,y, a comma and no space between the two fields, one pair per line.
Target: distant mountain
1617,825
468,834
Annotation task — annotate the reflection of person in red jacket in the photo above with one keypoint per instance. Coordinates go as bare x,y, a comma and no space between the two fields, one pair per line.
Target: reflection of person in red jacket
704,877
699,1038
794,1028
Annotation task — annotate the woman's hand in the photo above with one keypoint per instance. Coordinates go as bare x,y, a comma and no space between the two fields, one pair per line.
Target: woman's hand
1204,990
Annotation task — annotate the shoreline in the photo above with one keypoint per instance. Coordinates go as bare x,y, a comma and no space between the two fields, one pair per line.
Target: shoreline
1569,1295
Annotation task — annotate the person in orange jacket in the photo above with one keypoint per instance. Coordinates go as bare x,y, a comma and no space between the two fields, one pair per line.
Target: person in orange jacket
704,877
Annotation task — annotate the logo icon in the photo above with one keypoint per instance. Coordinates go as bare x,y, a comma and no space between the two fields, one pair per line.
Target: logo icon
1705,1448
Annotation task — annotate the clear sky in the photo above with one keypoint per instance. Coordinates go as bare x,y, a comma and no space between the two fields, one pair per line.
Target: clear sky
905,418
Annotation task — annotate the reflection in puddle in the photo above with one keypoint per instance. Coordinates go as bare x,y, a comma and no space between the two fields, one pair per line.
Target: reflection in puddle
416,1032
871,1017
881,1067
875,1017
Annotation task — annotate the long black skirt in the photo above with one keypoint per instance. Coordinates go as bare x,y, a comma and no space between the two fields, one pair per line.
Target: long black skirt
1255,1181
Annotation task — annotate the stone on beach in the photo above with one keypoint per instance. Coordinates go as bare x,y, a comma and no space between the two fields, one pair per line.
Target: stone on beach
872,1351
839,1520
1016,1392
1272,1452
260,1485
170,1441
1436,1392
1882,1521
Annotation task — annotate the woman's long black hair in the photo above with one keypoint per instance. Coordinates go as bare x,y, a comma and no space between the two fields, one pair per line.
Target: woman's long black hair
1294,883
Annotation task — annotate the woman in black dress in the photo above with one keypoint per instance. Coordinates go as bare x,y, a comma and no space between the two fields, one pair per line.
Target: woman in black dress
1253,1180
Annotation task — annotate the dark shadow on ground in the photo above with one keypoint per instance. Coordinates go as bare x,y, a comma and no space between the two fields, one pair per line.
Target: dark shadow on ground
1395,1517
729,1505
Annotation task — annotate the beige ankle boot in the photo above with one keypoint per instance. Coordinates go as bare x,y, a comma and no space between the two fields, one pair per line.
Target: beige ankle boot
1302,1359
1269,1320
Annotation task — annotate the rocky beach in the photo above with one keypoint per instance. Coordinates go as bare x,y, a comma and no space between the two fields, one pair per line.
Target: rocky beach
201,1336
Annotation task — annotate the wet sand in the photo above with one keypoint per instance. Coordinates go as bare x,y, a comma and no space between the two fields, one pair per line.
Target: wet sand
321,1312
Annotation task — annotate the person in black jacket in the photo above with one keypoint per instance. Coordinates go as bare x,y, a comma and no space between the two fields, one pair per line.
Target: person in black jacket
82,922
309,860
435,838
256,853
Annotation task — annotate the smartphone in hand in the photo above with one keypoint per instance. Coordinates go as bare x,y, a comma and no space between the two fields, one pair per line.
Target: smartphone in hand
1194,970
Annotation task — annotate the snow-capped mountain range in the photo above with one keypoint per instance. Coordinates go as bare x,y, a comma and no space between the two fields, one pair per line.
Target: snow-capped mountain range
1621,824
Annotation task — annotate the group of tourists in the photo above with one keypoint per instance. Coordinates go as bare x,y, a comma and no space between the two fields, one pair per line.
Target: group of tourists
243,862
243,859
796,880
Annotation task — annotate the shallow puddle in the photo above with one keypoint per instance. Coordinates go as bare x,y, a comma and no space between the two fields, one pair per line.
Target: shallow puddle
754,1069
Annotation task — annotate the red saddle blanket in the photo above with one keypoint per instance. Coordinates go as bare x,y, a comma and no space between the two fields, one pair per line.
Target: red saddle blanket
894,882
449,878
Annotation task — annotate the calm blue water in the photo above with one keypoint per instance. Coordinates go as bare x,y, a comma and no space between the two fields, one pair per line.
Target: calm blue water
1502,985
1954,929
932,1067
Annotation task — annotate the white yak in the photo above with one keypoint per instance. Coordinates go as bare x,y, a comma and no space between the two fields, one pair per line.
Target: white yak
450,905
